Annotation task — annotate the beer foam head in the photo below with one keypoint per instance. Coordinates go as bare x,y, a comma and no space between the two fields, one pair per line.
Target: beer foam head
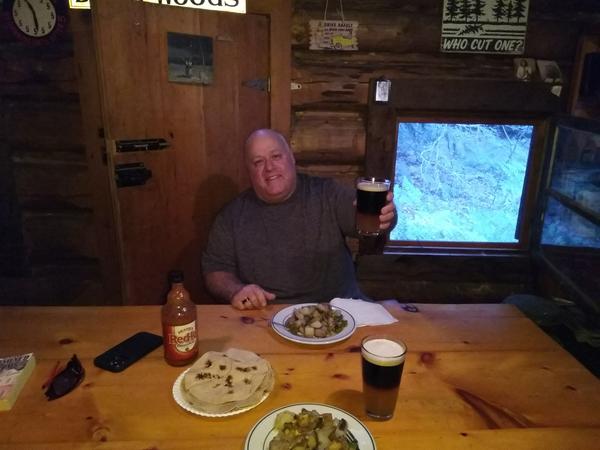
383,352
377,186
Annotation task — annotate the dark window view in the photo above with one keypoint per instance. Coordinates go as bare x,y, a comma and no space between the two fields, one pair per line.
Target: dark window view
563,227
459,182
576,175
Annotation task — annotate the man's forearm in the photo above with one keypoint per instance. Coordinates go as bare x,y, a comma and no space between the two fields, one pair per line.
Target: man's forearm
223,285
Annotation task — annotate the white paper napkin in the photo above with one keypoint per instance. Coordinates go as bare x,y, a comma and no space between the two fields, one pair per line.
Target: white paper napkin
365,313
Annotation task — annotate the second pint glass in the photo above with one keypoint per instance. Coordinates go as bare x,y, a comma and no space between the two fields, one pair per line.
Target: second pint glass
382,365
371,196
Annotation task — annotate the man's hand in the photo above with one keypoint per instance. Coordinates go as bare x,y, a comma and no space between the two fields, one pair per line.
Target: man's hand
388,213
251,296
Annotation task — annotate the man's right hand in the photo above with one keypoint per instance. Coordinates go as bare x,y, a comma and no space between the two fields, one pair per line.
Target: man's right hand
251,296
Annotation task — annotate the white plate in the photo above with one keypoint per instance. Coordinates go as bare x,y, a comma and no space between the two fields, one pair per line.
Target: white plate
181,401
279,320
262,433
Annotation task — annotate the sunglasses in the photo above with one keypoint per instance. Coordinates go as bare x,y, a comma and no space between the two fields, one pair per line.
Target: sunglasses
61,382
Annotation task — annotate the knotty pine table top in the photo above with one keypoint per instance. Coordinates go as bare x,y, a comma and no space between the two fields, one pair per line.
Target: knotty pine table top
476,376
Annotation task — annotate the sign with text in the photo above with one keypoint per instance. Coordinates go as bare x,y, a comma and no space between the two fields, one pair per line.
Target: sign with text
79,4
484,26
333,35
235,6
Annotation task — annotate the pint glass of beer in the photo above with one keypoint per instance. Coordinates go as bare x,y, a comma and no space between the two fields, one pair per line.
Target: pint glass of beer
382,365
370,198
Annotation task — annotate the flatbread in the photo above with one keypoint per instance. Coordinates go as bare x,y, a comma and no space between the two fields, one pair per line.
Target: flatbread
222,382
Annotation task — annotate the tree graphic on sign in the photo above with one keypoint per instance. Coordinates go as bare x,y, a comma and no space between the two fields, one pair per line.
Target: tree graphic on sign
452,9
475,10
499,9
465,10
519,9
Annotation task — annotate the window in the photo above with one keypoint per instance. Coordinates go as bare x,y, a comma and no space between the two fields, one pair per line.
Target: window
465,157
459,181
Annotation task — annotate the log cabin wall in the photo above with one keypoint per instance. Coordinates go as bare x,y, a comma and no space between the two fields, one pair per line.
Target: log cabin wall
401,40
48,245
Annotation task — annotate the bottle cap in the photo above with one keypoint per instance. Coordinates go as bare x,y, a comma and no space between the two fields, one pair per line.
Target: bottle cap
175,276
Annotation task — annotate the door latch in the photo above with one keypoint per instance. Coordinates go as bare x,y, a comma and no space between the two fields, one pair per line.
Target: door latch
141,145
132,174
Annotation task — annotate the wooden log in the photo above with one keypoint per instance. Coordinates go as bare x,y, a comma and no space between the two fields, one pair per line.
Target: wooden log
460,279
52,184
573,11
339,132
324,79
345,174
68,282
38,128
59,234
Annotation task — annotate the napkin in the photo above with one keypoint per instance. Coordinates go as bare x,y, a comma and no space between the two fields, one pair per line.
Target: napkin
364,313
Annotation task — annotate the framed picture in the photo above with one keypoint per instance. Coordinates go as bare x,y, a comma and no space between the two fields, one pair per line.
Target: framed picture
190,58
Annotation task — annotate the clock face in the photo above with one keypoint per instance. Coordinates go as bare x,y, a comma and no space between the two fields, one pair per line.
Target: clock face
35,18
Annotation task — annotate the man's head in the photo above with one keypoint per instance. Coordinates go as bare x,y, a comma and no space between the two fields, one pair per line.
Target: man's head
271,166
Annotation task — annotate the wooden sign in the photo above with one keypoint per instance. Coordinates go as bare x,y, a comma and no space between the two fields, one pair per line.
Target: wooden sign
234,6
333,35
484,26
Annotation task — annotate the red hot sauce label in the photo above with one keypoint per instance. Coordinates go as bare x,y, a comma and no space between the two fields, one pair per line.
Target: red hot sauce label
180,341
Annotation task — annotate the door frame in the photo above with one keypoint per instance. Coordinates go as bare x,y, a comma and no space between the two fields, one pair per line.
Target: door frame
90,91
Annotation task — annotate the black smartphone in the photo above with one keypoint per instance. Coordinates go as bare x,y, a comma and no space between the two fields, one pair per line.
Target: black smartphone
124,354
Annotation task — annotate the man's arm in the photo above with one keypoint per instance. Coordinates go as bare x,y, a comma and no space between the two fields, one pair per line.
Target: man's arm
223,285
228,288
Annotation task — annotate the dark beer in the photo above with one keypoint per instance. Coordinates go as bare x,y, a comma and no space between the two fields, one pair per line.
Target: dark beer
371,196
382,365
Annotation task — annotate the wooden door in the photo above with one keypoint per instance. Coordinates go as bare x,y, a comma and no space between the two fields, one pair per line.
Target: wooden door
163,224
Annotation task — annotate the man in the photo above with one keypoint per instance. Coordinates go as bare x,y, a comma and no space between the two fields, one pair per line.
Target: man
284,239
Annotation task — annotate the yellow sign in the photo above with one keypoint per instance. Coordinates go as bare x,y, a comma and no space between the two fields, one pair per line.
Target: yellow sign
235,6
333,35
79,4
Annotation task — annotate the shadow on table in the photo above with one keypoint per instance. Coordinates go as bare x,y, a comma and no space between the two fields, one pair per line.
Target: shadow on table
349,400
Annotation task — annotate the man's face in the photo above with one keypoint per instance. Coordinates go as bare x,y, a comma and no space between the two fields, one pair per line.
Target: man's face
271,167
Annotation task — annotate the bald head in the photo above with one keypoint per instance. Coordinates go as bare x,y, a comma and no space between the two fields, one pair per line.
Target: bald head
271,165
265,134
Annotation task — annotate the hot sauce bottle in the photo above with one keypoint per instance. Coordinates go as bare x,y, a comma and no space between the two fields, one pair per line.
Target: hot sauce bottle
179,323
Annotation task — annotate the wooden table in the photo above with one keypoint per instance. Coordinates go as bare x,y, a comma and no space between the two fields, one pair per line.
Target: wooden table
476,376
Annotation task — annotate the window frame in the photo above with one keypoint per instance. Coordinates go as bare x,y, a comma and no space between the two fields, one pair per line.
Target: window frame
486,102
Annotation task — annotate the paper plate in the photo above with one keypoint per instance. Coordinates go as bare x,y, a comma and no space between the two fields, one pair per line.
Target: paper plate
181,401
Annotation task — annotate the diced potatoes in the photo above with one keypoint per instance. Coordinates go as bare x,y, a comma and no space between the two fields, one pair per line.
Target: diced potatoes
309,430
316,321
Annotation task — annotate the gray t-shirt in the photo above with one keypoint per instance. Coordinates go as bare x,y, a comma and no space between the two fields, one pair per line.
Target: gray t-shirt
295,249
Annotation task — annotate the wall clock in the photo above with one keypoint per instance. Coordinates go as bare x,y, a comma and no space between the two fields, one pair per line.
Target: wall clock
36,20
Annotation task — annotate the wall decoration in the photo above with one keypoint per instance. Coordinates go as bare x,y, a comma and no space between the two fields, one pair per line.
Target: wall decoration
549,71
524,68
79,4
333,34
190,58
484,26
234,6
36,22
